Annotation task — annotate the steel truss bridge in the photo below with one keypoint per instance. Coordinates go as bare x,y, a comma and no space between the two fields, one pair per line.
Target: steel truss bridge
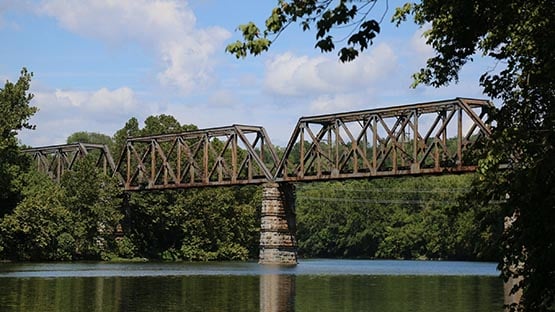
416,139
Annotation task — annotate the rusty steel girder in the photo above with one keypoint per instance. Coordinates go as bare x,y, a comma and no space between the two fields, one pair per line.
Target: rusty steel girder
232,155
54,160
425,138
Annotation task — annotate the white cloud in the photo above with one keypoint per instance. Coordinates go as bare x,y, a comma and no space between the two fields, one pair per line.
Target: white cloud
108,103
63,112
292,75
165,27
418,44
222,98
337,103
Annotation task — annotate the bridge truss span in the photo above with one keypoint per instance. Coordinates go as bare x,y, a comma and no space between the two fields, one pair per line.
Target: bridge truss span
232,155
425,138
54,160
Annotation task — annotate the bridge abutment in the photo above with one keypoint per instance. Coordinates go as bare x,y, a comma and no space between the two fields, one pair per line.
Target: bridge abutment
278,225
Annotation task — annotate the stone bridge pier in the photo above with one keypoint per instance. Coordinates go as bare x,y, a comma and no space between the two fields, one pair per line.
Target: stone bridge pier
278,224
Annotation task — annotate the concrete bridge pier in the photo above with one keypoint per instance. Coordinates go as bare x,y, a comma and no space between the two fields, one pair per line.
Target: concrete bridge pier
278,225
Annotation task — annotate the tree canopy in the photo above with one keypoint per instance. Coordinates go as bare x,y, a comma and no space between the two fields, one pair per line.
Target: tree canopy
518,36
15,112
89,137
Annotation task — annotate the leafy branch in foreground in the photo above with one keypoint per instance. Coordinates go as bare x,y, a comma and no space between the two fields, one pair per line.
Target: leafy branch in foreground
324,16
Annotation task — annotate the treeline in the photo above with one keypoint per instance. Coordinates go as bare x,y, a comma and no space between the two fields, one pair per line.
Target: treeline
433,217
87,216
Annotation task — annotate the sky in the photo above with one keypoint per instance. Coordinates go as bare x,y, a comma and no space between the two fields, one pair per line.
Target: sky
98,63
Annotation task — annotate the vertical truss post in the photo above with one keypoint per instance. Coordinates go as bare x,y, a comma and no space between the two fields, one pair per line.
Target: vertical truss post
415,167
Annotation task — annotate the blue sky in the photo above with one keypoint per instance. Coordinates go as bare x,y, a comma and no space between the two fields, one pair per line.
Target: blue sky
97,63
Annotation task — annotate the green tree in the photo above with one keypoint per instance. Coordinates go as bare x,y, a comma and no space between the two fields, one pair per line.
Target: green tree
40,226
89,137
396,218
72,220
218,226
518,36
15,112
152,222
154,125
194,224
94,202
162,124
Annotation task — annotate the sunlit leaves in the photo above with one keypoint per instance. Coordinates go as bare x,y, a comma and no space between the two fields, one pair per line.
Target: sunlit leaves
402,12
254,44
275,22
322,16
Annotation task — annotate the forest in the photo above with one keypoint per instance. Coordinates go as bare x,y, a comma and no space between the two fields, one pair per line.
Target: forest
87,216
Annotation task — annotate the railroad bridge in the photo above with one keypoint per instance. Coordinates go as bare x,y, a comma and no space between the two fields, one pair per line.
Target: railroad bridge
416,139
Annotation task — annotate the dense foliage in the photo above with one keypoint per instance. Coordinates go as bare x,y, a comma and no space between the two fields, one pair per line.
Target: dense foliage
15,112
72,220
518,36
197,224
395,218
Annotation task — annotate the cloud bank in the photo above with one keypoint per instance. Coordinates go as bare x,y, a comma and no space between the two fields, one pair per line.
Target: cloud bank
164,27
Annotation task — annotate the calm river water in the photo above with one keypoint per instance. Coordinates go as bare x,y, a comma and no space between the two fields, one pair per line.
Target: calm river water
313,285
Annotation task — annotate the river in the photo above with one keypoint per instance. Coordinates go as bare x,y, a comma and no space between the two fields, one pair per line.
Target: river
313,285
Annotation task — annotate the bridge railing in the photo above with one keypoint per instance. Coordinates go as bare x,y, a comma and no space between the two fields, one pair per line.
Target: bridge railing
232,155
54,160
404,140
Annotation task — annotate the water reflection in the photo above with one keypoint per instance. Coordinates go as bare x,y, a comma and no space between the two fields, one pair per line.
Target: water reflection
277,293
241,287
